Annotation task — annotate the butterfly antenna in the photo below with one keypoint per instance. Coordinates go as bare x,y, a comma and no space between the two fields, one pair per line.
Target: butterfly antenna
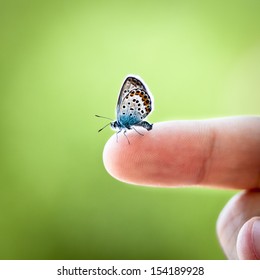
103,117
103,127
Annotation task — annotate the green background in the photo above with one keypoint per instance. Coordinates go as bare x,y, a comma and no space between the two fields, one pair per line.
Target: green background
62,62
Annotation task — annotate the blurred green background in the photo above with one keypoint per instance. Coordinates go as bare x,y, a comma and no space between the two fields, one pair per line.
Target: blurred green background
62,62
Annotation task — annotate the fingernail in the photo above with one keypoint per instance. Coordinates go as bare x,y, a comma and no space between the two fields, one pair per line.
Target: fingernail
256,237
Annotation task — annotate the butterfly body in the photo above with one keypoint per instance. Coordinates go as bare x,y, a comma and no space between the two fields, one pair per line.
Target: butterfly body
133,106
117,125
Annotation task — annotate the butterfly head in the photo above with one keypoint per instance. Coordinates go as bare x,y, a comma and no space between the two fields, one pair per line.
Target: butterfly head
114,125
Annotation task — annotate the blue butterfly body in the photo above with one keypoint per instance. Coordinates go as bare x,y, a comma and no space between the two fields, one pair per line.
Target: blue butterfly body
134,104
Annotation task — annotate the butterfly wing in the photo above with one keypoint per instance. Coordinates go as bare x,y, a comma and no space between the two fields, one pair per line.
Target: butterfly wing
131,82
134,102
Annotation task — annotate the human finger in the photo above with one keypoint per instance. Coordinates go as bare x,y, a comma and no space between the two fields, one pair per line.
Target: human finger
238,226
219,152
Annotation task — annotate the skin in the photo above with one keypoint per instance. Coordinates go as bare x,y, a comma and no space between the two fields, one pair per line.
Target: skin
220,153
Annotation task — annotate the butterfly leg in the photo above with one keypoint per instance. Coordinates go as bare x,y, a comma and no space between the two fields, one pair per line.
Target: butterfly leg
126,137
137,131
117,135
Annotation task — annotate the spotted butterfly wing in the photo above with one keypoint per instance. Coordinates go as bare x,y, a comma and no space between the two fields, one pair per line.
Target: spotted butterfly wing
130,83
134,104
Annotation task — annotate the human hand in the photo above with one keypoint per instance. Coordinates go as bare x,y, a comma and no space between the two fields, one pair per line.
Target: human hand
222,153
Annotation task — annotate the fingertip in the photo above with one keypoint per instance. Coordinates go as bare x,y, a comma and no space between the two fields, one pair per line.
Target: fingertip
161,157
248,240
109,156
120,155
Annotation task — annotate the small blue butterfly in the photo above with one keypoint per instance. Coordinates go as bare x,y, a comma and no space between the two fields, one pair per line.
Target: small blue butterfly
133,106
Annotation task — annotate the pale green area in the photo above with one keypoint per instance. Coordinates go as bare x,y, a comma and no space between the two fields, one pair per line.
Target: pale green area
61,62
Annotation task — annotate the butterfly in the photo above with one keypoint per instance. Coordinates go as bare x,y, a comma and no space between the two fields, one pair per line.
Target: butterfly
133,106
